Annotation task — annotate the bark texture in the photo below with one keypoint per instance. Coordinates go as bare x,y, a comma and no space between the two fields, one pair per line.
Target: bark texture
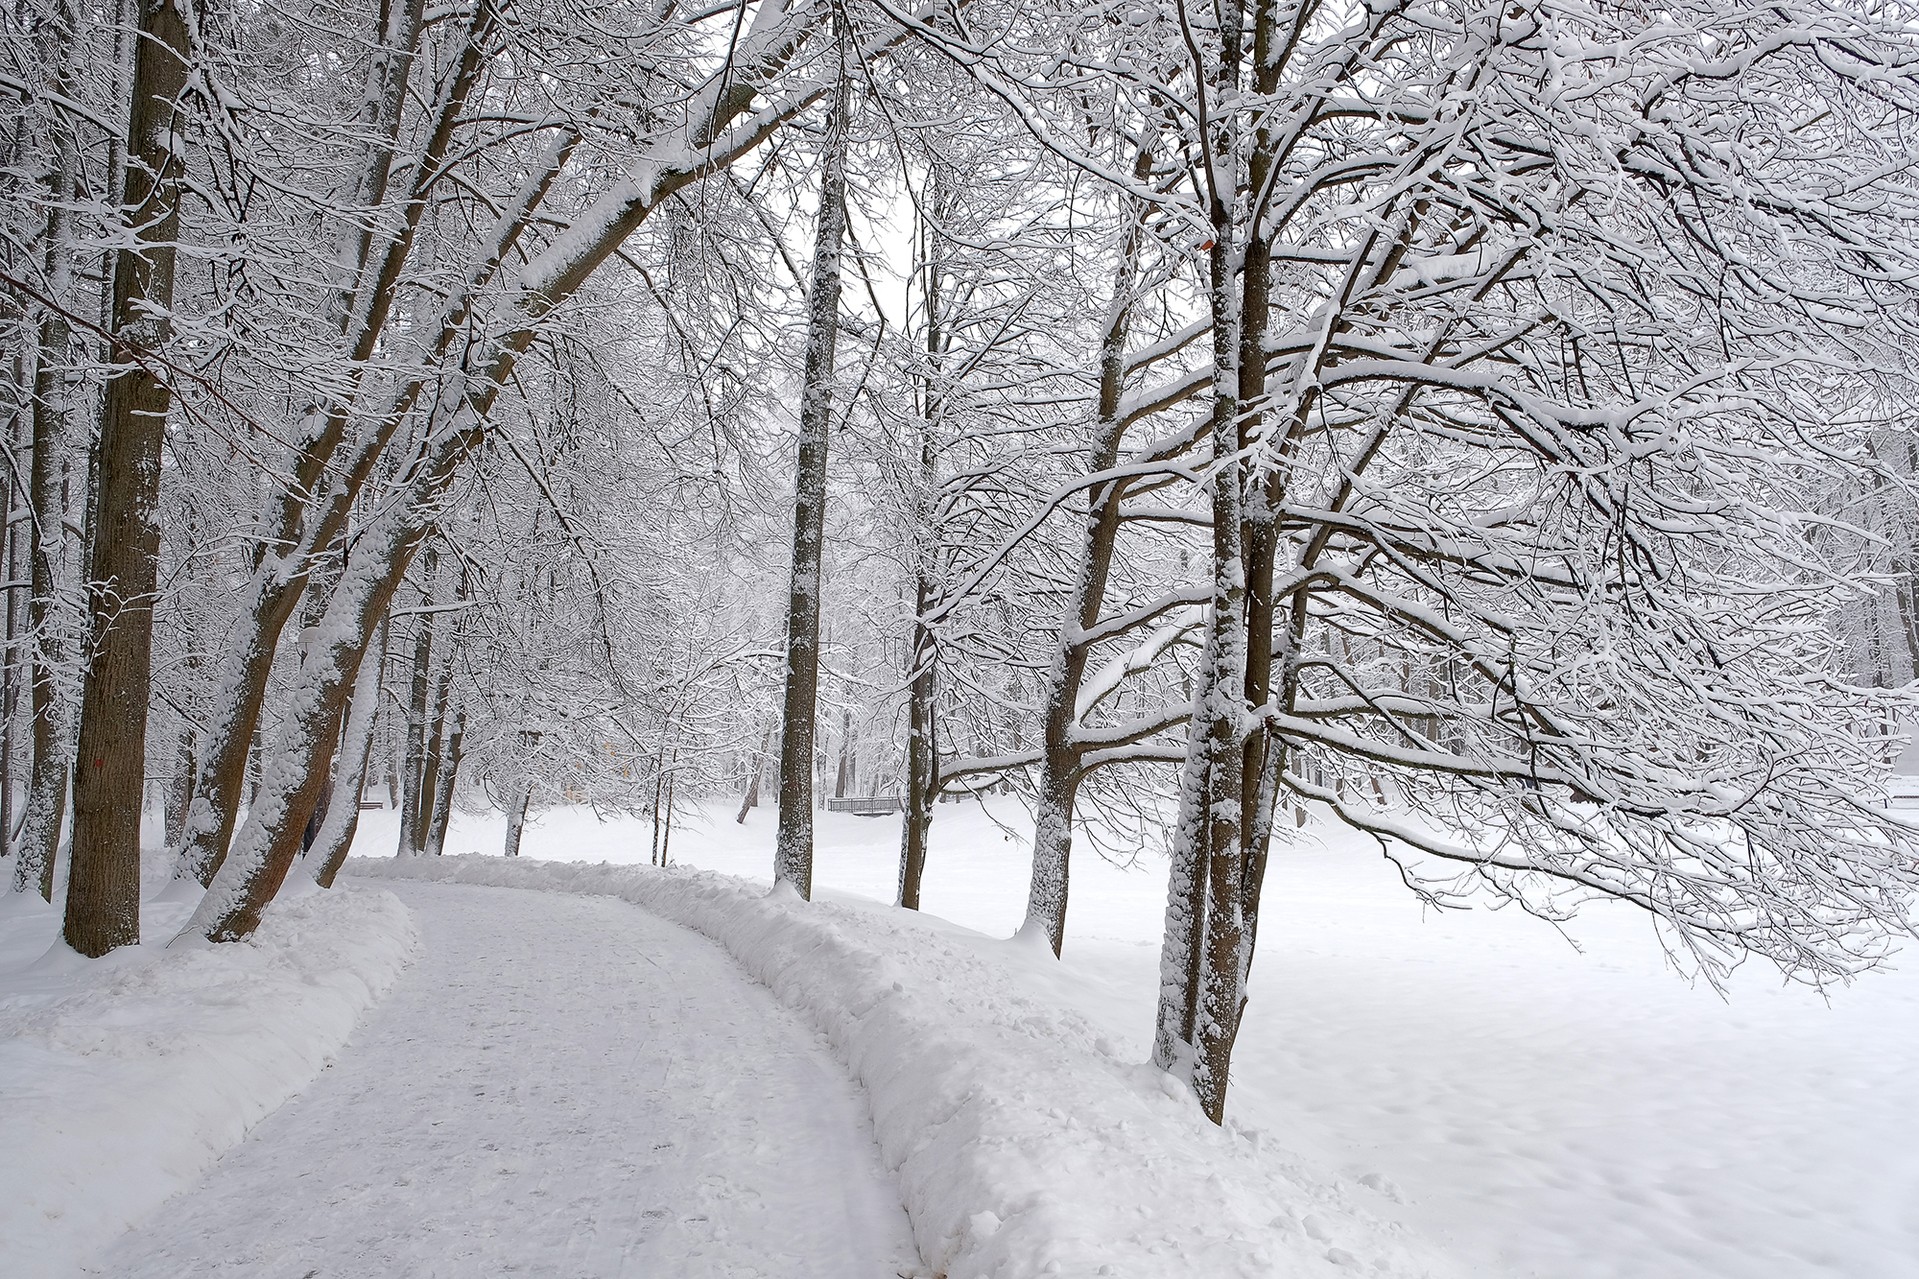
103,894
793,850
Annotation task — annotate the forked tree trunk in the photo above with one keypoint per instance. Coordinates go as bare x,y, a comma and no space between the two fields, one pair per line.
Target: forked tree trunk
268,841
378,556
793,851
103,892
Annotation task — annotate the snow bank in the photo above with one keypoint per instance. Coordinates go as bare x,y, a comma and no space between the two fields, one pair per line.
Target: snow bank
124,1078
1024,1144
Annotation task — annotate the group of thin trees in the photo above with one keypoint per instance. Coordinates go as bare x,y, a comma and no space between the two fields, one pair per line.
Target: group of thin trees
1483,425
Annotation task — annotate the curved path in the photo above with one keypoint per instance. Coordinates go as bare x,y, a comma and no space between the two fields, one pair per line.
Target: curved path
558,1086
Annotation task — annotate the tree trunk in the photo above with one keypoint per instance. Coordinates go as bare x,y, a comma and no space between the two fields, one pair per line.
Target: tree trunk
180,789
52,404
516,818
435,758
843,775
793,852
103,894
751,800
334,840
448,778
922,756
1200,959
1060,753
413,769
269,840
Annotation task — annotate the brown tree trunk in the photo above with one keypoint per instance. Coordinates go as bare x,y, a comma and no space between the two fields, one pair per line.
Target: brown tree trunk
793,851
103,893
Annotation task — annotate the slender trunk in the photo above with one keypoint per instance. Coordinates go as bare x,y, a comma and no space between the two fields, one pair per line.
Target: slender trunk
180,788
53,403
843,775
434,762
444,783
413,769
752,798
922,746
1200,957
516,817
793,853
1060,754
103,893
666,840
334,840
922,754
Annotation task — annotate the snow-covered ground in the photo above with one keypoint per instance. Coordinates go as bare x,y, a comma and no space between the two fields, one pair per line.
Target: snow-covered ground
1022,1142
1535,1109
122,1079
559,1085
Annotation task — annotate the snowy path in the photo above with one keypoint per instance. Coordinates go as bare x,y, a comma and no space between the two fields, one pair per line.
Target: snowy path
559,1085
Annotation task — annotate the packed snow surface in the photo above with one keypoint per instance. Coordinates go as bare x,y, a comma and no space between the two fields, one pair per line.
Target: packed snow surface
123,1078
1025,1143
559,1085
1537,1108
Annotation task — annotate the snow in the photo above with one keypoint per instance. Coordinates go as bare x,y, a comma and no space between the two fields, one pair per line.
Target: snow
1023,1141
1534,1109
557,1086
124,1078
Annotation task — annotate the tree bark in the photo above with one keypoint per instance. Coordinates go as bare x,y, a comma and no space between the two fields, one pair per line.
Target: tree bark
751,799
516,818
793,851
330,846
103,894
1059,777
1200,955
413,798
447,779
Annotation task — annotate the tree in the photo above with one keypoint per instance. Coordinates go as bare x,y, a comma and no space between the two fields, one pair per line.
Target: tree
1504,409
793,853
103,896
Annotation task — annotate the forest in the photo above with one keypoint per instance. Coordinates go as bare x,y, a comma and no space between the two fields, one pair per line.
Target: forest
1484,426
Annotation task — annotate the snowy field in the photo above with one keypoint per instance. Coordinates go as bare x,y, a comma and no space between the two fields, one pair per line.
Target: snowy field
1532,1108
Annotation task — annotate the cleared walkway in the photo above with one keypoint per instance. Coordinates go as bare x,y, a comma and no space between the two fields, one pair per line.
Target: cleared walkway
558,1086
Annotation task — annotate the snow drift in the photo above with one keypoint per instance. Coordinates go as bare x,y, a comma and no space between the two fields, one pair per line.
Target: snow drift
1024,1145
125,1078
